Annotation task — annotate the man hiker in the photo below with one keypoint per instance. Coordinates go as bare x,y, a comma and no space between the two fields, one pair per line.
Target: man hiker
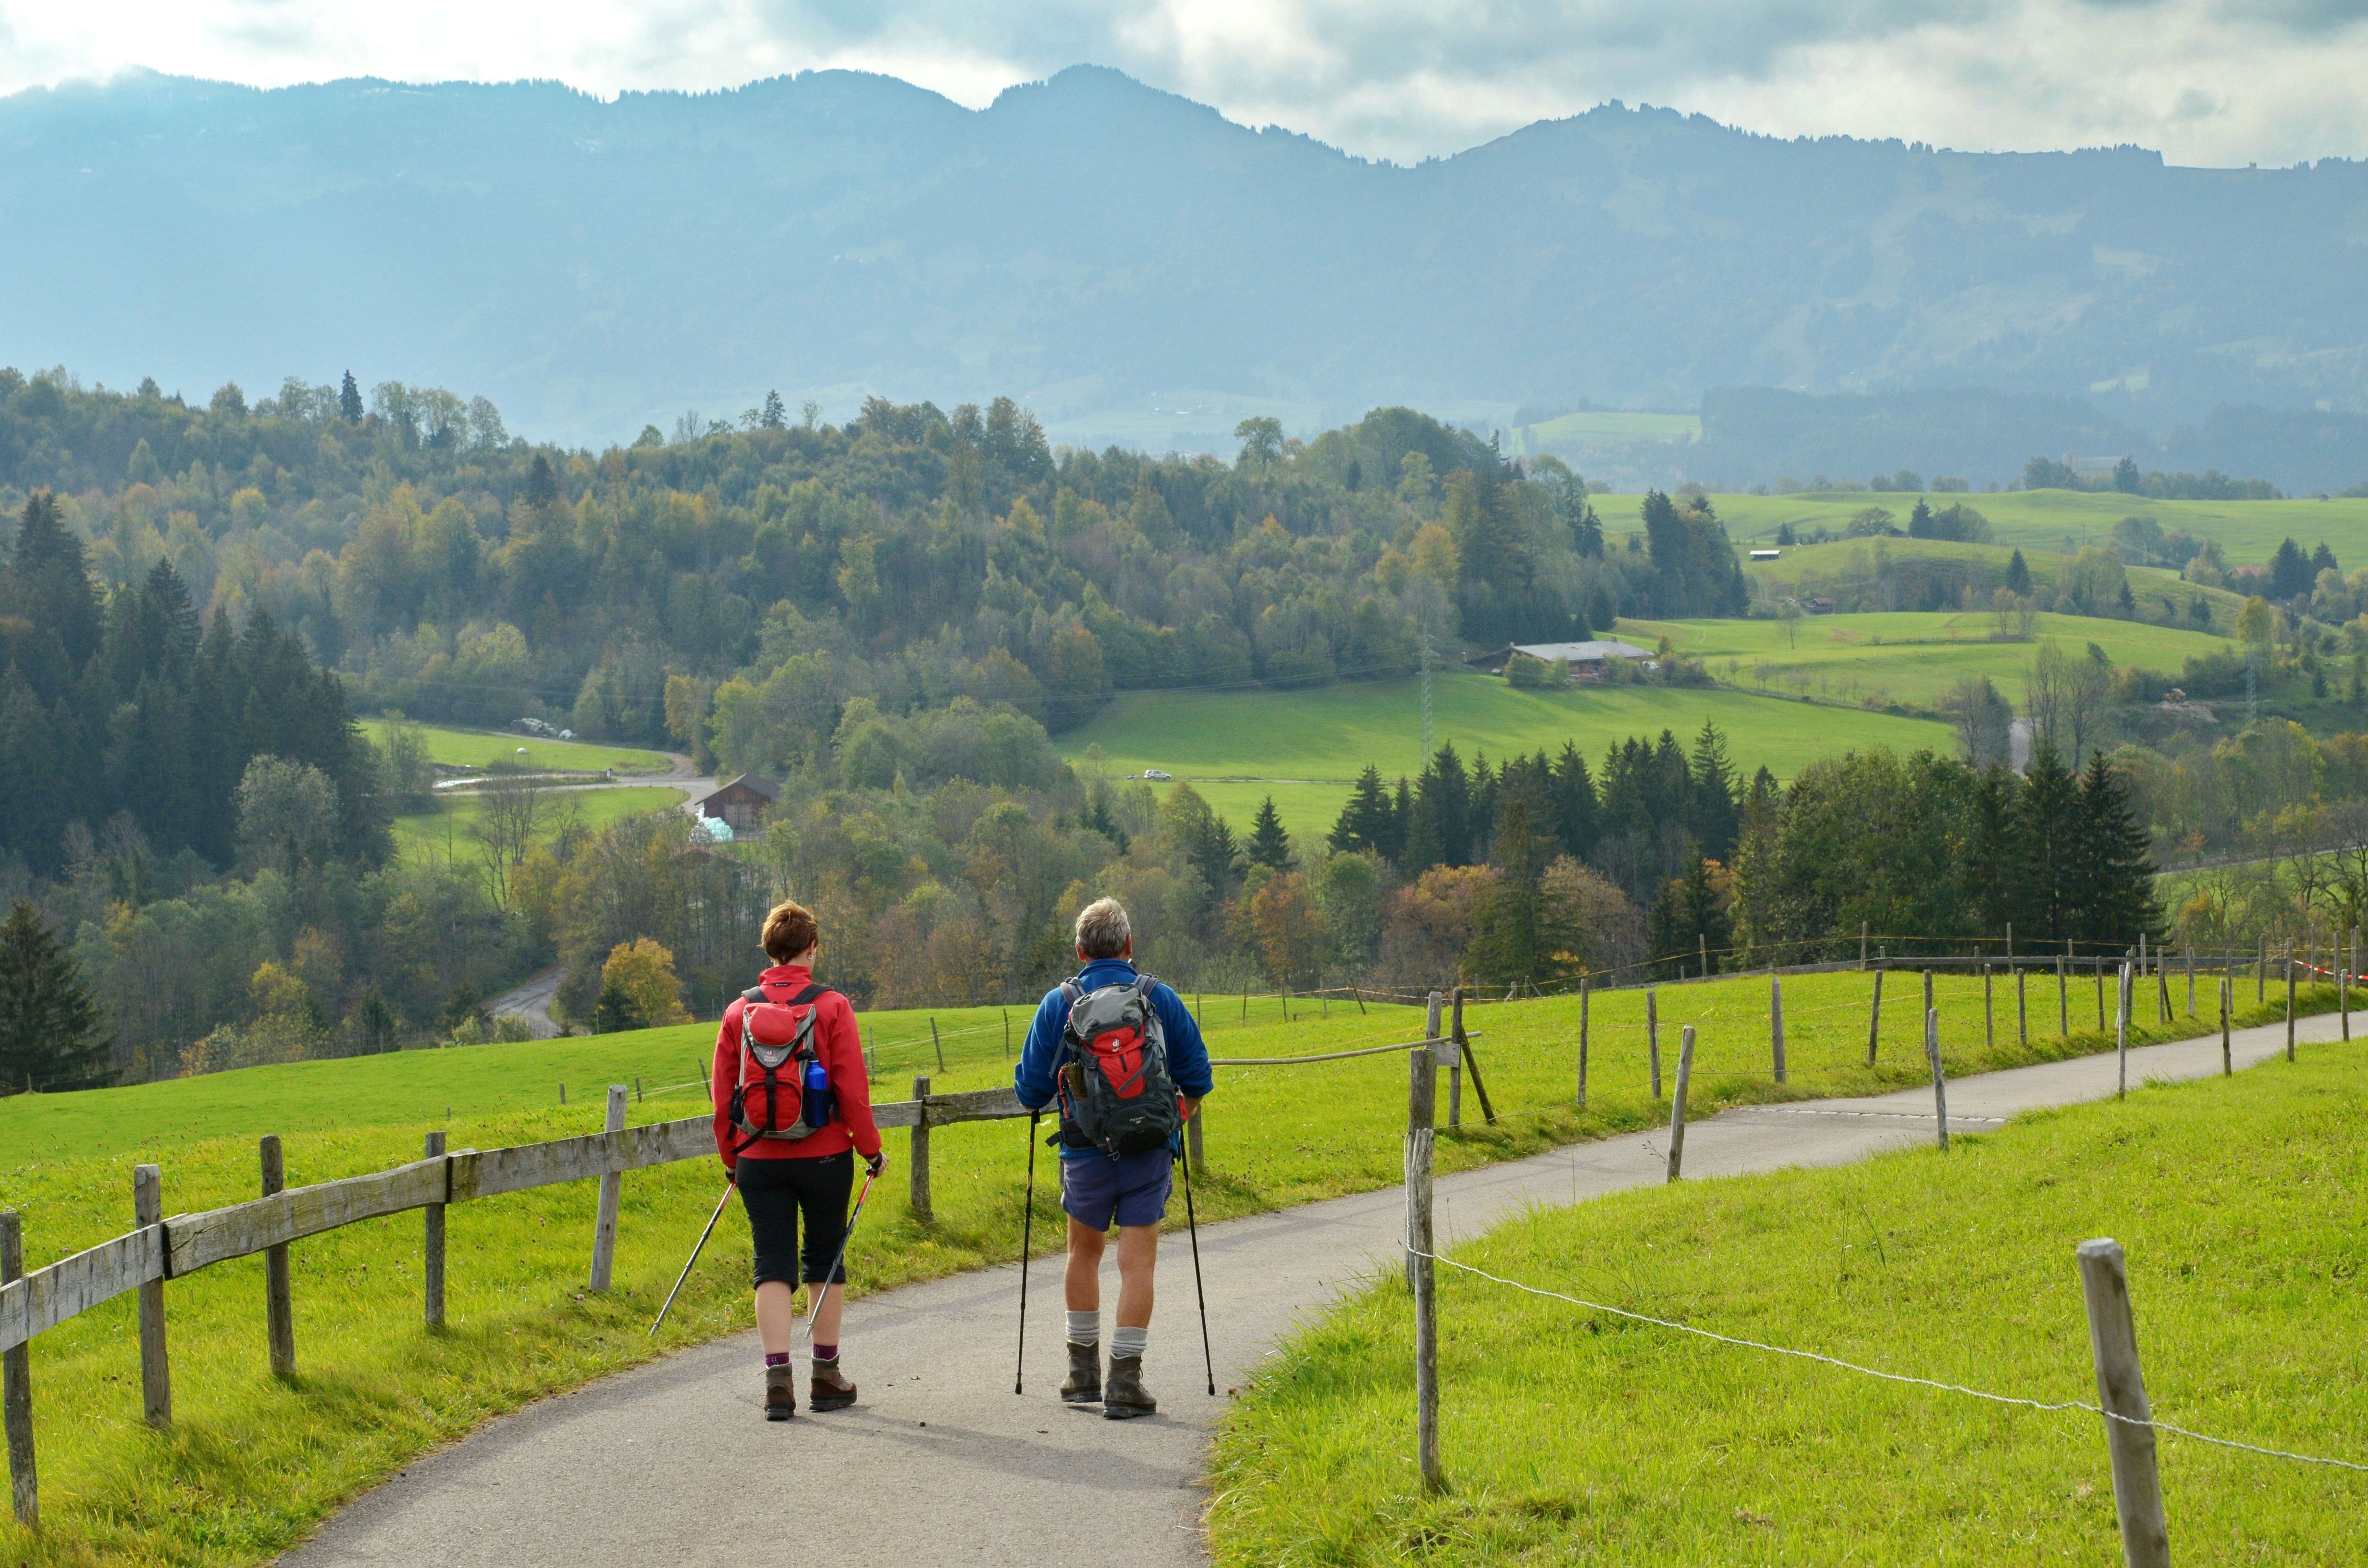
1122,1054
793,1109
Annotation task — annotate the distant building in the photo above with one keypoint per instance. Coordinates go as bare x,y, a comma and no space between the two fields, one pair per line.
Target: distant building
1767,555
1586,659
740,802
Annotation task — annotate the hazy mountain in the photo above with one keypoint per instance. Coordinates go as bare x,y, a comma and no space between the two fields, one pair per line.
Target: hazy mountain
1133,263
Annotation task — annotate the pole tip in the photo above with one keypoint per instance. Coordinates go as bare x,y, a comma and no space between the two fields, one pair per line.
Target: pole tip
2103,1246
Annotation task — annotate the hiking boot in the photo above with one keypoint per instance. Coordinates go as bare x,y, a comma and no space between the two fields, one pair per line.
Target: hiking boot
780,1393
830,1388
1083,1385
1122,1396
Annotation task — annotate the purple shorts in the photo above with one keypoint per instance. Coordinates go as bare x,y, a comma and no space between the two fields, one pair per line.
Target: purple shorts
1130,1189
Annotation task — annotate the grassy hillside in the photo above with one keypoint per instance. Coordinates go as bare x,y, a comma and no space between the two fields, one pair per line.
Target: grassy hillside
445,831
1312,744
1818,568
2056,519
253,1464
482,748
1575,1436
1907,658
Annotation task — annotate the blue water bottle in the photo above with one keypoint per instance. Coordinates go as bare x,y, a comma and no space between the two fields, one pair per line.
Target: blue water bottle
817,1108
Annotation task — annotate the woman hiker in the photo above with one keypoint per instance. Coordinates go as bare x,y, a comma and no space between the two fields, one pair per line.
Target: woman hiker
793,1109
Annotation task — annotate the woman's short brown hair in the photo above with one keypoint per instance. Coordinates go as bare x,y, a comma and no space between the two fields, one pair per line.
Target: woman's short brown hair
790,930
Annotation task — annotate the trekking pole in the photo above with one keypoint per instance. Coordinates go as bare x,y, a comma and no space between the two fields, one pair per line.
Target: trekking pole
1026,1230
731,1179
1192,1229
845,1236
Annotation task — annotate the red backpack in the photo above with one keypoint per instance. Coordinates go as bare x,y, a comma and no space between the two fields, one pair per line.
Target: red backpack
771,1096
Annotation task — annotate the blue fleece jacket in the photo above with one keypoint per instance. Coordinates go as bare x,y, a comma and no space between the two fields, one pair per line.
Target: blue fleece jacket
1040,1059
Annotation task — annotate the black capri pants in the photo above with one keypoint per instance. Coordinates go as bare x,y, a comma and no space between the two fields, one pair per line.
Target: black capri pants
774,1192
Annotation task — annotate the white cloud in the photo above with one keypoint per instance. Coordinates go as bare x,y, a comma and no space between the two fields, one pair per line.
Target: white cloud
2206,81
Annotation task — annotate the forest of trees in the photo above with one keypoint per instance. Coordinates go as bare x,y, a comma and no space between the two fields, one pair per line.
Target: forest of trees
453,573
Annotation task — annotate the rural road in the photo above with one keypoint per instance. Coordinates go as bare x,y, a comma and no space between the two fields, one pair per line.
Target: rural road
941,1463
531,1002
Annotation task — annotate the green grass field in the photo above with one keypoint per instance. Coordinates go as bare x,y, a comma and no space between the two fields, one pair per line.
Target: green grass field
1570,1436
252,1465
444,832
1306,748
1819,568
1915,659
2046,519
483,749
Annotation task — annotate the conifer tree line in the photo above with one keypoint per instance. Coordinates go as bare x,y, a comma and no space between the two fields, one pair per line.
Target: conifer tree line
1925,851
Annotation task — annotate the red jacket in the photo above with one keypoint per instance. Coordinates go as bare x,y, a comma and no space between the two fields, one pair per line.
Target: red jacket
841,1050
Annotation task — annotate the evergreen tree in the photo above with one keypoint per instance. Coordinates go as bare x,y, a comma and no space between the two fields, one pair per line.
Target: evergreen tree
1688,916
1214,855
2117,904
2322,560
2018,576
1994,857
349,400
1401,821
1268,844
1711,813
1443,811
2047,830
1518,933
776,416
2290,572
48,583
1576,821
1364,822
541,485
50,1037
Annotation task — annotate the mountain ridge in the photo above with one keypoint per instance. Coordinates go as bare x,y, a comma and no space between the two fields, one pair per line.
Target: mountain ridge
1136,264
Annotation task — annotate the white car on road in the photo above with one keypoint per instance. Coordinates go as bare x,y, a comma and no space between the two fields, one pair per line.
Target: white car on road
1159,773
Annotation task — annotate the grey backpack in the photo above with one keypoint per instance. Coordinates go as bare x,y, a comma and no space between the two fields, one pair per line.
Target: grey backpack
1116,1095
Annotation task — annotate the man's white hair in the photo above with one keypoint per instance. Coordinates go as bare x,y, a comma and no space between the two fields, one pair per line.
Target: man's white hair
1103,930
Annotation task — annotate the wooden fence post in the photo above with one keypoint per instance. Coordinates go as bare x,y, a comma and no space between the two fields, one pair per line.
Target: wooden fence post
1861,944
1875,1015
2129,1419
938,1044
1701,940
17,1388
2227,1057
155,1368
1939,1080
2122,1034
2343,988
2191,980
1469,1058
1677,1105
2162,990
1192,1140
2063,1004
2260,968
1422,1113
1455,1065
431,1250
1583,999
279,1310
1420,1245
1652,1037
923,1214
2021,1011
1006,1023
1989,1013
1776,1018
1928,990
2290,1001
612,1192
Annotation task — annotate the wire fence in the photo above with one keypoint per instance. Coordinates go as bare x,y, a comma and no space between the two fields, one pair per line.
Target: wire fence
1728,1339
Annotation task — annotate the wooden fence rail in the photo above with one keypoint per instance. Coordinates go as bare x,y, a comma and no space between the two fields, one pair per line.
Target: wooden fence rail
180,1245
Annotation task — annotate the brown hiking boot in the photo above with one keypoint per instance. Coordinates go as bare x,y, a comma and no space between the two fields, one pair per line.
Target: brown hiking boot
1084,1384
1122,1396
830,1388
780,1392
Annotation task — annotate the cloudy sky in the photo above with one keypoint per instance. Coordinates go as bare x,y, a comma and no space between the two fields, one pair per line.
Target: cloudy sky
2225,82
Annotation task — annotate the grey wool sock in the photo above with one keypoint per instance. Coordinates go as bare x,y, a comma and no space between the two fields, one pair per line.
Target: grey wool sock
1126,1342
1085,1328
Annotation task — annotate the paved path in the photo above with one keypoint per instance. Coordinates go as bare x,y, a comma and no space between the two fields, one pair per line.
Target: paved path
532,1002
940,1463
